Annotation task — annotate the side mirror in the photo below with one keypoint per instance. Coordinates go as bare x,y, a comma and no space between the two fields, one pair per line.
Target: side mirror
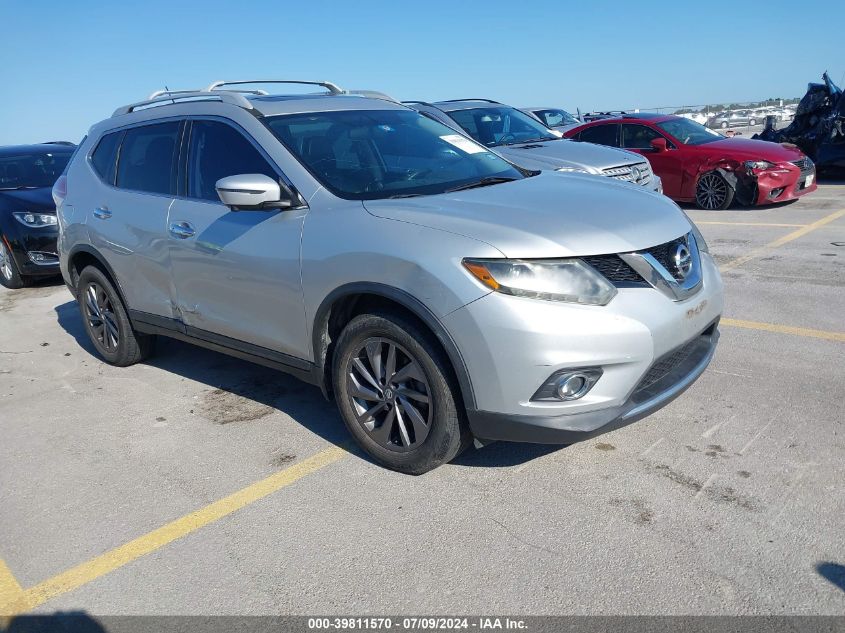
252,192
659,144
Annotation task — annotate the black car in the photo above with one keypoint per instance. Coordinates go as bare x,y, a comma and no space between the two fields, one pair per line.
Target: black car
28,227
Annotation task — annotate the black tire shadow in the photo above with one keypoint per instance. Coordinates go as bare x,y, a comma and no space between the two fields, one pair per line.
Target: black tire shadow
304,403
64,622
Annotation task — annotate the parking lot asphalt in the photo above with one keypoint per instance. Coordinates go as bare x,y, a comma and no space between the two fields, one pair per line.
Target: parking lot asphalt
200,484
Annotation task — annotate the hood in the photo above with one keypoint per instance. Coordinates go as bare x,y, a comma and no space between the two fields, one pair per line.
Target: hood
40,199
567,153
548,215
751,149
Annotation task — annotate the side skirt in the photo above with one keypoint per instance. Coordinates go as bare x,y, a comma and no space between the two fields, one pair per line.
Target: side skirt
172,328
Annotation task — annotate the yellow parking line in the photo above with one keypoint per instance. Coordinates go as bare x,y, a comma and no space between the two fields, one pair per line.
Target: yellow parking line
10,591
782,240
754,224
120,556
785,329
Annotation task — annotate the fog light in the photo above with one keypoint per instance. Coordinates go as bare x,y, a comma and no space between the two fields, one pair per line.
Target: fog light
568,388
568,384
40,257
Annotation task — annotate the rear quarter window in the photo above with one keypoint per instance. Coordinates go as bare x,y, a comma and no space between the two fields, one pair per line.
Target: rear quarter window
104,155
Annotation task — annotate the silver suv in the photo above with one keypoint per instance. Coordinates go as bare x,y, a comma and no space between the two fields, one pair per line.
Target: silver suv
522,139
434,290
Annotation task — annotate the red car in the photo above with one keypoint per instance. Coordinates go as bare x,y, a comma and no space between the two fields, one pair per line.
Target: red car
699,165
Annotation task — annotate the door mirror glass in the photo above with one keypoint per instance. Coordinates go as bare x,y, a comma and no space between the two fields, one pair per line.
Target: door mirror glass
659,144
252,192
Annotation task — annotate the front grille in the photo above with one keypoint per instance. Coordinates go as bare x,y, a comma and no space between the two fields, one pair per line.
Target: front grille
806,166
664,253
627,173
673,367
614,269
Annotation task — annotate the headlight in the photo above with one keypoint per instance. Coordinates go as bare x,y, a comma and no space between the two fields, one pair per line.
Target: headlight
759,164
699,238
572,170
568,280
35,220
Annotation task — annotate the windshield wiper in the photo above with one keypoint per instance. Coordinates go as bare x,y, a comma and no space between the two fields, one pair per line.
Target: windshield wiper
484,182
536,140
403,195
19,187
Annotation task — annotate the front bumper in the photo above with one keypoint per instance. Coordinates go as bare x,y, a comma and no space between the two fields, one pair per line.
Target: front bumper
644,400
24,243
784,184
512,345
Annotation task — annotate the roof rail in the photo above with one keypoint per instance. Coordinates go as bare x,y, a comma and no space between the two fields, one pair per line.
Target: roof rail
423,103
233,96
371,94
174,96
471,99
332,88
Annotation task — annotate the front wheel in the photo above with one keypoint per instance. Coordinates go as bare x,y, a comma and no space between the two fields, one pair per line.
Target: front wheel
107,323
10,276
752,122
724,125
713,192
393,388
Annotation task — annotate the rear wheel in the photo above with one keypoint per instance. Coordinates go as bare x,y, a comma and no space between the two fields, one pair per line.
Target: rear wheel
713,192
10,276
107,323
394,392
724,125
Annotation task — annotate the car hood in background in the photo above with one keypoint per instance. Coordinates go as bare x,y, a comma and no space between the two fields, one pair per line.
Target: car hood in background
566,153
746,148
548,215
40,199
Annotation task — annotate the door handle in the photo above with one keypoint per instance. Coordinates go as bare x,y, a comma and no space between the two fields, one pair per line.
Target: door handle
182,230
102,212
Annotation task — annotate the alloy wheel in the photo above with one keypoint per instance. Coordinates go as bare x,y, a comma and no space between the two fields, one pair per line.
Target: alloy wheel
390,394
101,318
712,191
5,262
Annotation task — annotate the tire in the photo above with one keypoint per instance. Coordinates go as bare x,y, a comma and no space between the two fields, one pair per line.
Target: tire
713,192
391,420
10,276
106,322
723,125
752,122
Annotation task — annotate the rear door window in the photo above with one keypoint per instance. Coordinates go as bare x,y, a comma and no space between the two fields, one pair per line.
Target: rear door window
218,150
147,158
104,156
607,134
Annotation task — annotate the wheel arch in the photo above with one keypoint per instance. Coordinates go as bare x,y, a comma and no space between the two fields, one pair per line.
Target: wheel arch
84,255
346,302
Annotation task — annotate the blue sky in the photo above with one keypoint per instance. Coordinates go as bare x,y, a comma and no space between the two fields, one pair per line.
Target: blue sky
65,65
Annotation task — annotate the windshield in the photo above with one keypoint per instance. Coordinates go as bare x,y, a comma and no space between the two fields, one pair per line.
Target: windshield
556,118
32,170
689,132
501,125
371,155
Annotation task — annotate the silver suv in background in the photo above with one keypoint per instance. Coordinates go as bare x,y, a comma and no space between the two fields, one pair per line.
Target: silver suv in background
526,142
553,118
434,290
